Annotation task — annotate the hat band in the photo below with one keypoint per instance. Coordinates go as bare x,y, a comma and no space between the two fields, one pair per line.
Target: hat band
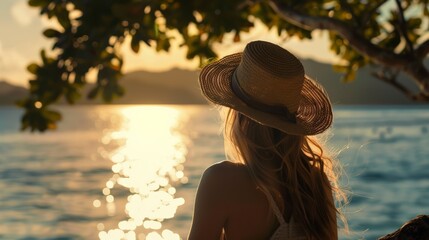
249,101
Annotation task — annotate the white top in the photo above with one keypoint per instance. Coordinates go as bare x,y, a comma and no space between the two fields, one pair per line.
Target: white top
286,231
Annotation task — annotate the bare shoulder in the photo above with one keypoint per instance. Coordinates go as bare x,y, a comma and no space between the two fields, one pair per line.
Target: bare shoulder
226,166
227,179
219,182
226,171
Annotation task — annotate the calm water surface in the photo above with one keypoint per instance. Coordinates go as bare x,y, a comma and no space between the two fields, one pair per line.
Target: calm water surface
130,172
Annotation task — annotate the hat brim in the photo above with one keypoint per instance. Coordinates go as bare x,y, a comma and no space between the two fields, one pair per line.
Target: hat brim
313,116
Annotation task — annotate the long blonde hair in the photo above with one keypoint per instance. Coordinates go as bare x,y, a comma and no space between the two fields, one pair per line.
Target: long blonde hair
293,169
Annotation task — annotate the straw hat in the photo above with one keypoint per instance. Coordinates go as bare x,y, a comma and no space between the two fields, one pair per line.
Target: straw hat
268,84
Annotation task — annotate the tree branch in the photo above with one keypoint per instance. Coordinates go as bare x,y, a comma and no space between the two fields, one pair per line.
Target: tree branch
422,50
247,3
391,80
409,63
355,40
403,27
418,71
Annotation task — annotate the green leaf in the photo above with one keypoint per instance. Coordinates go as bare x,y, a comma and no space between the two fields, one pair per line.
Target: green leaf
120,91
340,68
391,41
135,44
33,68
93,93
237,37
156,30
52,116
163,44
37,3
414,23
43,56
72,95
349,76
425,10
63,18
108,94
51,33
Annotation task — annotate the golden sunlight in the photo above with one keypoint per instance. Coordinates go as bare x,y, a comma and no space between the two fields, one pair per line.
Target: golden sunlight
148,163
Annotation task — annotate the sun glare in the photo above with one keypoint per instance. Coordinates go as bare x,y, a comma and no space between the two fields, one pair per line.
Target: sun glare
149,163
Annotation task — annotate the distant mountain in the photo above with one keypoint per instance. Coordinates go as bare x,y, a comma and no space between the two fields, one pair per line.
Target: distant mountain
9,93
178,86
365,89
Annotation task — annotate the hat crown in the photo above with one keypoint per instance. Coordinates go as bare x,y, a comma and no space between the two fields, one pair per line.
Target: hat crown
271,75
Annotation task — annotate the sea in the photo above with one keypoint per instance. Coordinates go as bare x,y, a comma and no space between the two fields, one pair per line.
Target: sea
131,171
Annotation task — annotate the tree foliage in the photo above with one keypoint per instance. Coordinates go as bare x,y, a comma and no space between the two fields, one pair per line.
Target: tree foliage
390,34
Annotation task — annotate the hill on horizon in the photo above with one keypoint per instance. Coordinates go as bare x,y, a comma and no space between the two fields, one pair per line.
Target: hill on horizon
9,93
179,86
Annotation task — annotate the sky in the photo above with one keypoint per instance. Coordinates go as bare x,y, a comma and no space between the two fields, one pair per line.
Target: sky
21,40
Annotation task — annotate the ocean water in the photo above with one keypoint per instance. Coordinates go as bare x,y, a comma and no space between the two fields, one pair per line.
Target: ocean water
130,172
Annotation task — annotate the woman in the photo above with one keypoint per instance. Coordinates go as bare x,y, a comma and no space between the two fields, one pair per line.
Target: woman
279,184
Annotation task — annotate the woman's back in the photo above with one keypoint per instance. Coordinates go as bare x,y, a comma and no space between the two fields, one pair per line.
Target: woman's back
248,214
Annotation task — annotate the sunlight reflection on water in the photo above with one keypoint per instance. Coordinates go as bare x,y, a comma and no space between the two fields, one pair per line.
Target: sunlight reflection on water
148,162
